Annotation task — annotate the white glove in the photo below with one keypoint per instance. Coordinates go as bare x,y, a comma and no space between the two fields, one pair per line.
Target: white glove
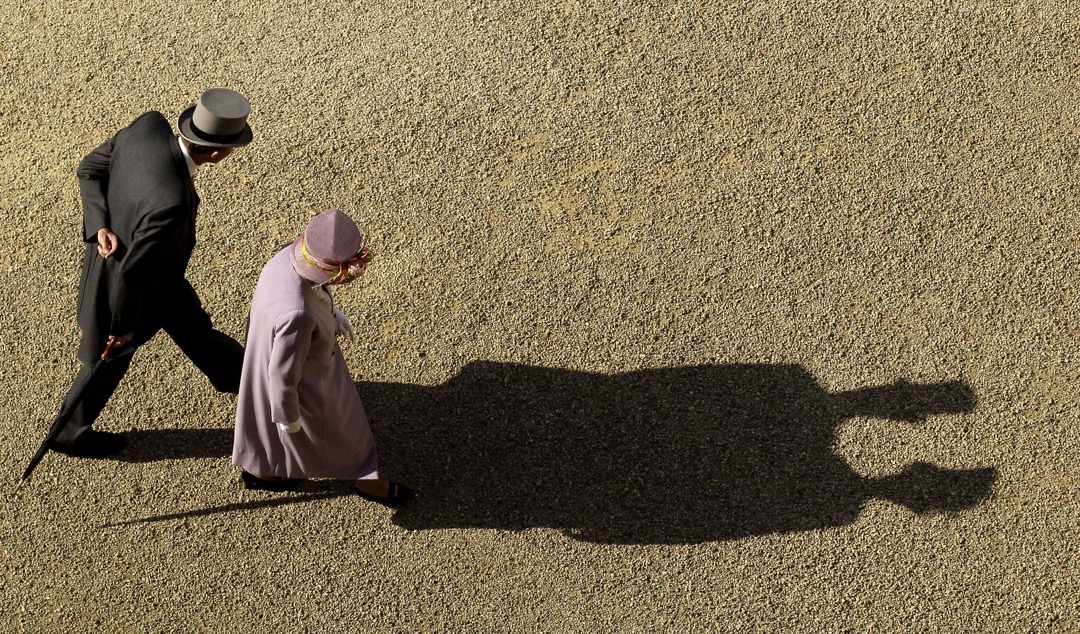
344,326
291,428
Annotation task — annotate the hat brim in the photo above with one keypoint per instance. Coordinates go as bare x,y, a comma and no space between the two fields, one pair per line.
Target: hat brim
306,269
191,134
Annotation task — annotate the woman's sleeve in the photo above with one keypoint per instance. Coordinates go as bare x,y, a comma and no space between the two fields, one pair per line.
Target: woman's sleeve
289,351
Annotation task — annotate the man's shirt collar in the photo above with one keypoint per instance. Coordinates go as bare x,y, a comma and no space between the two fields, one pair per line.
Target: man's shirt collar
187,157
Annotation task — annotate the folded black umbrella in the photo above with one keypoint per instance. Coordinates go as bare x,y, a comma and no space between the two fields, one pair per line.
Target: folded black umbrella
78,391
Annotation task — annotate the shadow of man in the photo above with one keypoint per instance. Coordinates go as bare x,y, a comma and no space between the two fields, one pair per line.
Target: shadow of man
680,455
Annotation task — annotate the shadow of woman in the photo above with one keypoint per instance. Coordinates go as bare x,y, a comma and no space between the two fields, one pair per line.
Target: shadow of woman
680,455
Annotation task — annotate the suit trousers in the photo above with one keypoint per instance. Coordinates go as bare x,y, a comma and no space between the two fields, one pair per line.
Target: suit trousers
217,355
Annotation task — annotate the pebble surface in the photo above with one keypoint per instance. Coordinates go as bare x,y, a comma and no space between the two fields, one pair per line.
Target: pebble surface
629,255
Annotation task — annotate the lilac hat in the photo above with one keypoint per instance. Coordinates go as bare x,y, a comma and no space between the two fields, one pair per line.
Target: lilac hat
331,249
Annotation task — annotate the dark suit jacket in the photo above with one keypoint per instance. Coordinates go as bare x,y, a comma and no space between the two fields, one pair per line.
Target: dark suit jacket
137,185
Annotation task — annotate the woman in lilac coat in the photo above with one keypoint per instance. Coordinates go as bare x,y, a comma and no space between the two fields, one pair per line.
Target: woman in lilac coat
298,414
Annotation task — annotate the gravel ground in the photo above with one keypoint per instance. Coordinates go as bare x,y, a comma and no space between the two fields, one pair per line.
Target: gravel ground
751,316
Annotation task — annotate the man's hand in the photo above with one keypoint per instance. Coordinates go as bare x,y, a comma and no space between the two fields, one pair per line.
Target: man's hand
107,243
115,342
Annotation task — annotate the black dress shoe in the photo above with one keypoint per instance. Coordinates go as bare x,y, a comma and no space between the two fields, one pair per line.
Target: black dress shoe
93,444
399,494
256,483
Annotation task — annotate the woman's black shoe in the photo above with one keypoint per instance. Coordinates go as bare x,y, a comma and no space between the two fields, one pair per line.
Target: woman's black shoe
399,494
258,484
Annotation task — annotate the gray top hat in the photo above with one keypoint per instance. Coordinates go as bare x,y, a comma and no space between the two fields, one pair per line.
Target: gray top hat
218,120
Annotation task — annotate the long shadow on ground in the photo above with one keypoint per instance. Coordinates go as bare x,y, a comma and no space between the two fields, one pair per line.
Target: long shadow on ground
151,445
680,455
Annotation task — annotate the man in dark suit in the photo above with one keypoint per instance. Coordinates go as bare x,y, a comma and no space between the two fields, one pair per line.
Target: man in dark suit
139,206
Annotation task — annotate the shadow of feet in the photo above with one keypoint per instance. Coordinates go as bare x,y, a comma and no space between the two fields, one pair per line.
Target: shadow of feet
151,445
